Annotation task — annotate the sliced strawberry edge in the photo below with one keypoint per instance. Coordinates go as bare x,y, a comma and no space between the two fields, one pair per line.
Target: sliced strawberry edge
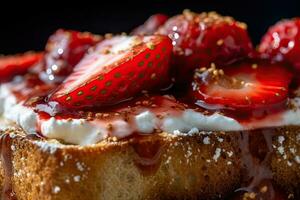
89,90
25,59
12,65
139,49
266,91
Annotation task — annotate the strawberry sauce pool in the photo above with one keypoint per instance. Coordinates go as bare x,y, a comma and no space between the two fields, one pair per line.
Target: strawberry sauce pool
161,111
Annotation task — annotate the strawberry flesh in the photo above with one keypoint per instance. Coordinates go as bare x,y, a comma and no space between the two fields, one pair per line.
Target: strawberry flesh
119,68
64,50
17,64
245,86
200,39
282,42
151,25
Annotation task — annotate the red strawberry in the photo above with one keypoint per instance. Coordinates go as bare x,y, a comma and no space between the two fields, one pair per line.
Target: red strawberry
118,69
17,64
244,86
200,39
63,51
151,25
282,42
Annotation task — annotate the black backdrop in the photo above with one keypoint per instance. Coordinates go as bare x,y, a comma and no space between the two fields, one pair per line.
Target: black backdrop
28,29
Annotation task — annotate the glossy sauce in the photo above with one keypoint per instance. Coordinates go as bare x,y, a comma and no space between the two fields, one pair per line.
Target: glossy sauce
245,116
35,94
157,104
256,152
147,154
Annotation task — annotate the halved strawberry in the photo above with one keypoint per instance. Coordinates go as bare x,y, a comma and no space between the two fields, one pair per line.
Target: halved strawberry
151,25
119,68
282,42
64,49
17,64
200,39
244,86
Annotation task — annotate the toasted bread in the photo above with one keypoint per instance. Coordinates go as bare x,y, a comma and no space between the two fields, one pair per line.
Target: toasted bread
207,165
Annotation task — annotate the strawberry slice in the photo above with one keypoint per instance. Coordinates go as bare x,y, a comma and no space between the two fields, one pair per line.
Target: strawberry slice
200,39
64,49
119,68
17,64
151,25
244,86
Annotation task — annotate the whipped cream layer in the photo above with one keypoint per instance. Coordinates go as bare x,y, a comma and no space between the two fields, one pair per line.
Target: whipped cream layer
145,121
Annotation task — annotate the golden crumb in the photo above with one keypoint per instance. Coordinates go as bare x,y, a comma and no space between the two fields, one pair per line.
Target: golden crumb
264,189
220,42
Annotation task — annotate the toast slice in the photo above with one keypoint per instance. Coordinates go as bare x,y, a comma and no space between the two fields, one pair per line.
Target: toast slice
207,165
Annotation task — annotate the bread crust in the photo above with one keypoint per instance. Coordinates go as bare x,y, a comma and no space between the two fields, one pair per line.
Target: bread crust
207,165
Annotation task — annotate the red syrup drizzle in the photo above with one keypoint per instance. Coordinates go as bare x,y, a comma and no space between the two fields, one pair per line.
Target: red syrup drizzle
246,116
256,151
147,154
6,159
159,105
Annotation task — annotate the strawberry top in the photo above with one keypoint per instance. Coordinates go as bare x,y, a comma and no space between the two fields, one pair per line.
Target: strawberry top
282,42
64,50
200,39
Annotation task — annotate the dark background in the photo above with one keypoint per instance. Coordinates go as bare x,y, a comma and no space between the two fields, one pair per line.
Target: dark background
28,28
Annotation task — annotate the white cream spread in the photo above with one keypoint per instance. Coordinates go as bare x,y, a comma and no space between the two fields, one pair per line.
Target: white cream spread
85,132
76,131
